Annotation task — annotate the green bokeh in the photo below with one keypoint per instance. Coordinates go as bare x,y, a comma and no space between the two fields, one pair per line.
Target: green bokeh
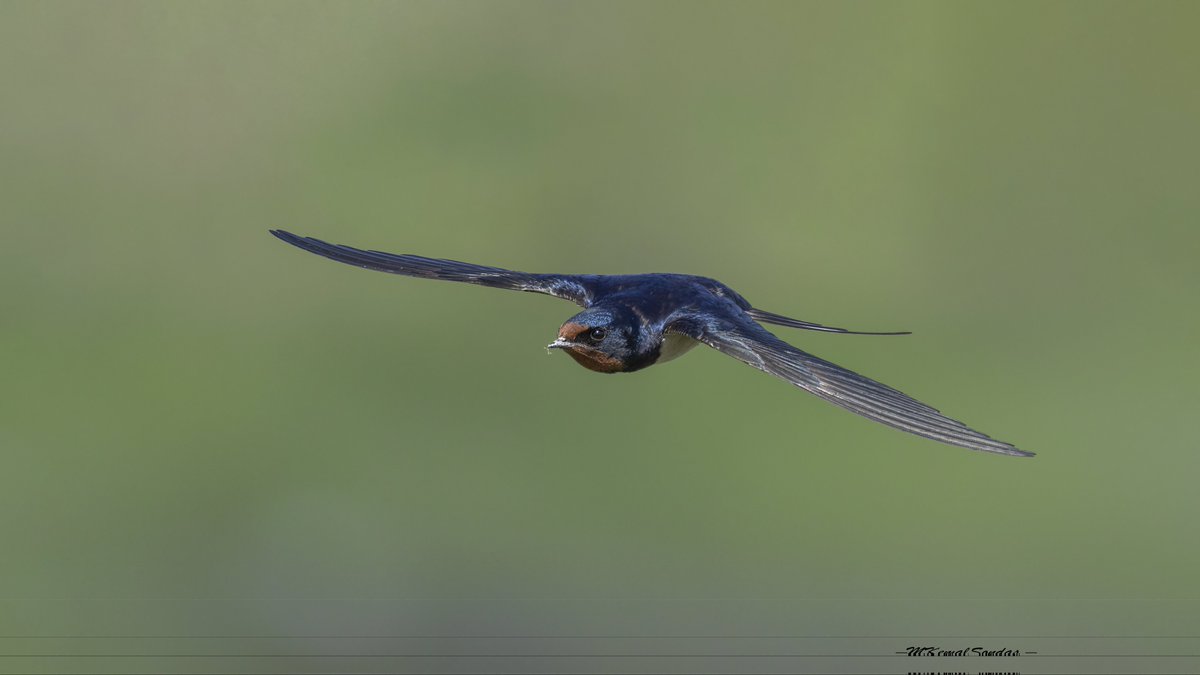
194,409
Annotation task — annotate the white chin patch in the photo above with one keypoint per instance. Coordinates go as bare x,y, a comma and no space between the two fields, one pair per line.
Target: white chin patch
674,345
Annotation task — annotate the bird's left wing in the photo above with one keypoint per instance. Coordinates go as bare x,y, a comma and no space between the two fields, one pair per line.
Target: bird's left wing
576,288
742,338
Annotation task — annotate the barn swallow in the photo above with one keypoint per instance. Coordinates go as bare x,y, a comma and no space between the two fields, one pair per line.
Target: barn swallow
630,322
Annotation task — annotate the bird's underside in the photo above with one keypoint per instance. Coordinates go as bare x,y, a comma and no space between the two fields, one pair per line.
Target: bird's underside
702,309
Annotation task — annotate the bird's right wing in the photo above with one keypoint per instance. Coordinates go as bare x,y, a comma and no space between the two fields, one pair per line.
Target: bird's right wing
740,337
576,288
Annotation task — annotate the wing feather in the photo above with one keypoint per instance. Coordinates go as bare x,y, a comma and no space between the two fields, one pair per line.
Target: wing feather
752,344
575,288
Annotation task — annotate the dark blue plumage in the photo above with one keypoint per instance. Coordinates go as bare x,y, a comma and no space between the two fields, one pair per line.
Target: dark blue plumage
630,322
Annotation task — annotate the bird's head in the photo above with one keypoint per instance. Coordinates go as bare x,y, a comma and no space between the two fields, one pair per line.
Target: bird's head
599,340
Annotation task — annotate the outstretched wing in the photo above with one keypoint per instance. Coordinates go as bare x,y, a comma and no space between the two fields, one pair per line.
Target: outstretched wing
740,337
575,288
780,320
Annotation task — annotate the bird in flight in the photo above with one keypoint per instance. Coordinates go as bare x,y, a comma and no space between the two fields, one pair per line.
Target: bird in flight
630,322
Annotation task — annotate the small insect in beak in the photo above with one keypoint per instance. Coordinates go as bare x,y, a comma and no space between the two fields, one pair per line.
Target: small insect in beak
560,343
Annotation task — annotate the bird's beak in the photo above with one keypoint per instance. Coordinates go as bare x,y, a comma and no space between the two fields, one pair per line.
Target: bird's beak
560,343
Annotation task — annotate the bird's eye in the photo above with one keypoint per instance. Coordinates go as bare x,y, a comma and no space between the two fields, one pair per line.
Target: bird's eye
597,334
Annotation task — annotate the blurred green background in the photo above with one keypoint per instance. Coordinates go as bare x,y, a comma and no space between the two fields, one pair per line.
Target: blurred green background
193,409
